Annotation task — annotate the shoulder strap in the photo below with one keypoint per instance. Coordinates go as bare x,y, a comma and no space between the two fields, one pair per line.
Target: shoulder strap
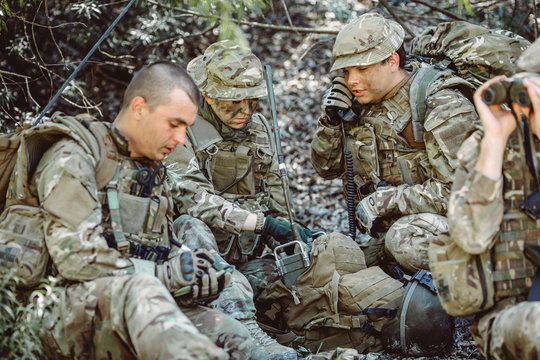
202,134
421,81
95,135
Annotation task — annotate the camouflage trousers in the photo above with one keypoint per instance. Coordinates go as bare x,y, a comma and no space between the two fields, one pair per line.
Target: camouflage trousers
134,316
248,279
406,241
510,331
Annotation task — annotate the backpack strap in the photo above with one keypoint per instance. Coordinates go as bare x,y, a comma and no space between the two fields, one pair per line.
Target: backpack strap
202,134
421,81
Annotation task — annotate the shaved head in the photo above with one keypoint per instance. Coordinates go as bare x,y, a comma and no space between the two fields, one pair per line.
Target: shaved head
156,82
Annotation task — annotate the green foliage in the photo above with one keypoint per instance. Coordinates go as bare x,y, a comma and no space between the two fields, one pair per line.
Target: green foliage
467,5
20,324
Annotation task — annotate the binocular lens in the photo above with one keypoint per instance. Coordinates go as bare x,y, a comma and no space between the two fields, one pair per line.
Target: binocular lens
506,91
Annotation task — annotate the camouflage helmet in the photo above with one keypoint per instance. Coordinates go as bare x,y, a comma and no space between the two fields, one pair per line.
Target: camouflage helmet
227,71
366,40
421,327
529,60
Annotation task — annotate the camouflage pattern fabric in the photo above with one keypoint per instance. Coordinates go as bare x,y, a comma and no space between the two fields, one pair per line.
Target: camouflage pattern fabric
408,239
123,317
484,218
418,178
237,299
366,40
510,331
97,276
228,72
478,53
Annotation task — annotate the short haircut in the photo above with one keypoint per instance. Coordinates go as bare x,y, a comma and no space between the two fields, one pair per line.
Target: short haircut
155,83
402,57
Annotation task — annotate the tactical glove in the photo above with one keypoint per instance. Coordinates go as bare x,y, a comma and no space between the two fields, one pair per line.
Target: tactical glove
281,230
367,212
336,98
178,271
209,282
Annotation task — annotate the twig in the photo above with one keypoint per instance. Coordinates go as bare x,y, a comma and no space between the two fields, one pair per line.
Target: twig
287,14
445,12
395,16
249,23
14,74
535,20
50,30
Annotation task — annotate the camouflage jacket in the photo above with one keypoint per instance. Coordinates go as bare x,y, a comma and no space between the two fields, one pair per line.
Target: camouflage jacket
419,175
484,215
76,216
200,186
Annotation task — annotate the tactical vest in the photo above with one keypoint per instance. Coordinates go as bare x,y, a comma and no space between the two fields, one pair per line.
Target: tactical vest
238,172
146,222
234,168
139,227
512,272
379,147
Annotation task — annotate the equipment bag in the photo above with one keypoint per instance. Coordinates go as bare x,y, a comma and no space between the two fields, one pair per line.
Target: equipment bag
22,242
475,53
341,302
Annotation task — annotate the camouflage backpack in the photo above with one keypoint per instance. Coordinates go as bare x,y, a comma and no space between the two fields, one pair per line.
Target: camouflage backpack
22,242
475,53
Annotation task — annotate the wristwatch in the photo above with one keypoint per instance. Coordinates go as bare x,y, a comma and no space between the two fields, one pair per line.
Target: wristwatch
259,224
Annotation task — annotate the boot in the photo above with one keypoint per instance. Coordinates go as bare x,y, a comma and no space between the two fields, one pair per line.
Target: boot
266,348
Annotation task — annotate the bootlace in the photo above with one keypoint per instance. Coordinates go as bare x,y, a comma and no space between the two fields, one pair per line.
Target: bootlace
258,335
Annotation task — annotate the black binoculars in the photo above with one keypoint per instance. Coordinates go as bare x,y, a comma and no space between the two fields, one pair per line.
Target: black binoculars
508,90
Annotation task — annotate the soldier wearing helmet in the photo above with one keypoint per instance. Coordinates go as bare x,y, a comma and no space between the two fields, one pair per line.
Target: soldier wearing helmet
401,184
228,178
494,222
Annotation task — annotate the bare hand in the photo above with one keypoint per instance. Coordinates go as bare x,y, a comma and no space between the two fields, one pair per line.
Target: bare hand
498,123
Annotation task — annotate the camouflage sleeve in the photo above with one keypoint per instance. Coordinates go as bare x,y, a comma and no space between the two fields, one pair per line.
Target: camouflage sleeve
326,151
66,187
275,188
450,118
194,194
476,205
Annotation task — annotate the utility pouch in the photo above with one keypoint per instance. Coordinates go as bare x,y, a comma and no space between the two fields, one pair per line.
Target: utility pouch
22,243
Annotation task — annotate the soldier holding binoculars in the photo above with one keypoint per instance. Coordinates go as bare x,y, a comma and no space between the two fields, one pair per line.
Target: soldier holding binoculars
493,214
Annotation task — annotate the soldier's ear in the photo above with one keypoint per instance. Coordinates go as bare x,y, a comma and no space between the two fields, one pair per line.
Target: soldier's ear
394,61
138,104
209,100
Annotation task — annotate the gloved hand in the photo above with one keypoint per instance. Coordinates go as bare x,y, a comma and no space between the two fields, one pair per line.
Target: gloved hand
209,282
281,230
367,212
336,98
178,271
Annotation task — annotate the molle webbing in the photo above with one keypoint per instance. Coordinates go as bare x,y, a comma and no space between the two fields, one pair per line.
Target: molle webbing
512,272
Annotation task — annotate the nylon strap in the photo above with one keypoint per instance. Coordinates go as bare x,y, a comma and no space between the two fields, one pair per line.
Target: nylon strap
114,210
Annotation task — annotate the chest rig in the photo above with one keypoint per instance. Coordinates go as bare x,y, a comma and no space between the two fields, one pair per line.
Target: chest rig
381,152
238,171
138,223
512,272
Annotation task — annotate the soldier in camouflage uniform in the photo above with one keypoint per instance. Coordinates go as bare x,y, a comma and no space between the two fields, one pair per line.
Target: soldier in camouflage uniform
114,301
227,177
401,186
485,218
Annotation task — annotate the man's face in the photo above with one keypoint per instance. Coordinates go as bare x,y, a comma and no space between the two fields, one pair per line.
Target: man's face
233,113
370,83
159,131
